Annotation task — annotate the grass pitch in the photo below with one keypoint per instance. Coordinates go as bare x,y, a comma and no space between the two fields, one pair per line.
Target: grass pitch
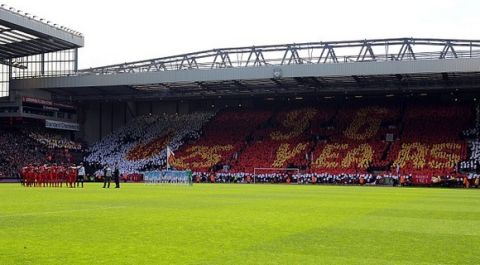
238,224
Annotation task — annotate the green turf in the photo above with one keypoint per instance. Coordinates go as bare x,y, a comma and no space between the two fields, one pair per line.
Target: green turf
239,224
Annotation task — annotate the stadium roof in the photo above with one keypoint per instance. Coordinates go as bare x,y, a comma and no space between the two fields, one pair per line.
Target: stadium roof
400,64
373,50
22,34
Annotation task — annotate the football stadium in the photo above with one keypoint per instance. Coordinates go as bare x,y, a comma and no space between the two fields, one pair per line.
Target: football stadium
327,152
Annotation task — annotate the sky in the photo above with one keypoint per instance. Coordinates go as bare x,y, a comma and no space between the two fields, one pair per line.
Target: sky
122,31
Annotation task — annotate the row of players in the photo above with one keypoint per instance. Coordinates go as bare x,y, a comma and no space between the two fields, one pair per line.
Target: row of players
53,175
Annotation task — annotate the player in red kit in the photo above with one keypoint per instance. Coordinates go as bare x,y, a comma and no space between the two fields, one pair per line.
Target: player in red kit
72,176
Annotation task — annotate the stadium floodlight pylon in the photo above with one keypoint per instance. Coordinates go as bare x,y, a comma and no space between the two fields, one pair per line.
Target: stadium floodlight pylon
271,170
175,177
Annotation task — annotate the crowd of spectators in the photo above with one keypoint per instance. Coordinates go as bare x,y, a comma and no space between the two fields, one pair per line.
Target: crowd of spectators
400,139
431,142
282,142
52,141
472,164
415,140
327,144
127,146
223,138
16,151
356,139
368,179
367,144
19,148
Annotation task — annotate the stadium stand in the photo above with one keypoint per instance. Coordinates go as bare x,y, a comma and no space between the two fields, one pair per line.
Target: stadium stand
52,140
325,143
472,163
141,143
280,143
21,147
411,138
222,140
430,144
357,140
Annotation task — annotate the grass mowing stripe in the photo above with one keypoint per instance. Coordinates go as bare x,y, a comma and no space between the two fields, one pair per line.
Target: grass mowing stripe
61,212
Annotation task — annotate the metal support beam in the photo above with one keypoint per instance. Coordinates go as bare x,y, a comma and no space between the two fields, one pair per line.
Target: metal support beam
448,48
364,51
361,51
